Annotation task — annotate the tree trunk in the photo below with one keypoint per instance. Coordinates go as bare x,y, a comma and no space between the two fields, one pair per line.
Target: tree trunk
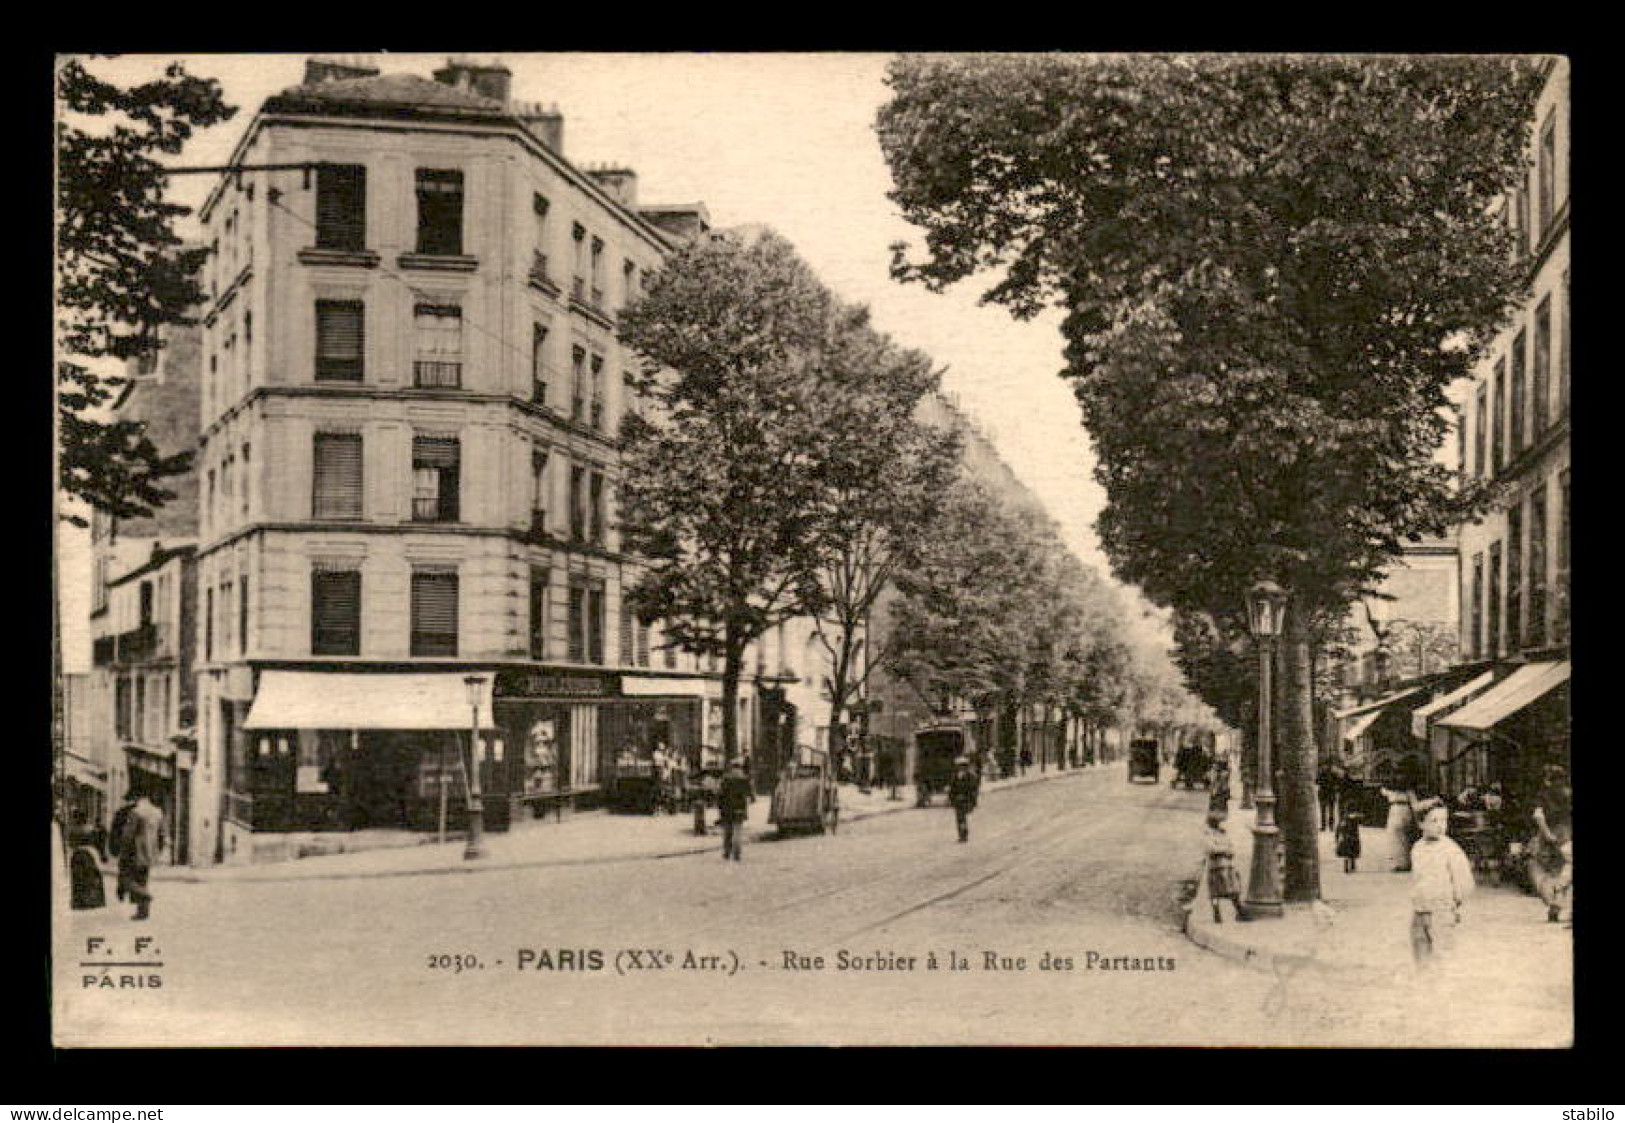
732,658
1300,829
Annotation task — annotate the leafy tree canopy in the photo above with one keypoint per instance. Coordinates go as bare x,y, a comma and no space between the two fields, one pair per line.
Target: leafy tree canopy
122,274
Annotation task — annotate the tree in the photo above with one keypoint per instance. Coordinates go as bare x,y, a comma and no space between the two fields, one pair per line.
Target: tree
886,474
122,274
966,598
723,490
1272,268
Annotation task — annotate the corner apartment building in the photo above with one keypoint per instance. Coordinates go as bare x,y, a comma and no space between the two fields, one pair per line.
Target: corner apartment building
1513,432
141,686
411,398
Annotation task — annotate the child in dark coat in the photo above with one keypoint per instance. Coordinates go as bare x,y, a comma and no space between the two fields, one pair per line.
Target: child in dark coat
1348,840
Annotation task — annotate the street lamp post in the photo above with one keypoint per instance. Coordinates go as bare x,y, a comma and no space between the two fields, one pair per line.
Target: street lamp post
476,806
1266,607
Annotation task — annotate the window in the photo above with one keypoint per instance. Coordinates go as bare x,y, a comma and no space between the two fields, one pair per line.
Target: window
629,283
595,625
1515,577
538,490
121,708
1540,412
1498,419
440,211
643,644
1517,391
538,612
578,383
1563,368
1561,628
145,594
578,281
340,341
435,471
597,273
225,615
597,415
247,476
1492,609
538,262
434,612
338,476
335,611
578,624
578,514
208,498
1536,632
242,614
1461,444
1520,216
670,656
595,508
538,364
208,623
341,207
439,346
1480,421
226,494
1548,171
626,650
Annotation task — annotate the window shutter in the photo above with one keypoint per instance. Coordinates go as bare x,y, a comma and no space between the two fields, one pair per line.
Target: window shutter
627,652
341,207
340,340
335,611
578,609
338,476
434,613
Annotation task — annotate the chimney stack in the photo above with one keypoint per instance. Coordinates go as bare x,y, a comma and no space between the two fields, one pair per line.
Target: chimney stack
545,123
620,183
319,70
488,79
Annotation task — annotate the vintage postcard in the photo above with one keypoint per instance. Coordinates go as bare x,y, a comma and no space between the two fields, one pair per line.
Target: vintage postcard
816,549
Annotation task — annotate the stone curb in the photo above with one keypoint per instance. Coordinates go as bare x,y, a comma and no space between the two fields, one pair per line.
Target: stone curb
191,878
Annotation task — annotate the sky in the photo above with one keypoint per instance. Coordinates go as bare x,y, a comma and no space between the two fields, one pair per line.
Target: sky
782,140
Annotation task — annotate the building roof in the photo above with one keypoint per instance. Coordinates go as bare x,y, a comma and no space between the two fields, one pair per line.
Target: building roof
384,91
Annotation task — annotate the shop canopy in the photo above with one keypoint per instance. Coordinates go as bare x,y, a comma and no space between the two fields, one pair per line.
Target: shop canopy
1361,724
1421,717
356,700
1522,687
1375,705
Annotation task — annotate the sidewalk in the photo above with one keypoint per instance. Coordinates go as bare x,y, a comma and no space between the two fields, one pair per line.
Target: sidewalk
1361,927
584,838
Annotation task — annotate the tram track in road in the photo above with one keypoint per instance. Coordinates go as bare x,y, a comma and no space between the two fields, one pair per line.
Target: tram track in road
841,901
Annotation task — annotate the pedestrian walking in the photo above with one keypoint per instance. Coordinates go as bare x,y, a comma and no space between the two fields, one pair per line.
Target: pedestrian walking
733,801
121,826
87,850
1550,869
962,792
1328,785
1223,879
1348,840
1401,822
144,837
1441,879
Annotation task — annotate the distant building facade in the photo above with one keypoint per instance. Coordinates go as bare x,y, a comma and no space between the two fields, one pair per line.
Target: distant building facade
141,683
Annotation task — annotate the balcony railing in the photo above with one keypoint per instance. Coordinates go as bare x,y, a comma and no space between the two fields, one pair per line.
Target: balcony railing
538,270
438,374
103,650
138,645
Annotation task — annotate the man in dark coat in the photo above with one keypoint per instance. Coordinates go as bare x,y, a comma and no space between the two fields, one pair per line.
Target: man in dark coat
121,826
139,846
962,792
733,801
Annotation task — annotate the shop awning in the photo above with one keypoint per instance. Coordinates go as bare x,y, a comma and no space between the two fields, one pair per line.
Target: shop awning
1361,724
340,700
644,686
1522,687
1421,716
1376,704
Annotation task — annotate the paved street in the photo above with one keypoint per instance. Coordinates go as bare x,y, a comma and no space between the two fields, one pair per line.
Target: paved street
1081,866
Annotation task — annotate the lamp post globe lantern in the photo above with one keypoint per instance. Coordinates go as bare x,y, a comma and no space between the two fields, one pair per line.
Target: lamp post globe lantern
1266,614
476,805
